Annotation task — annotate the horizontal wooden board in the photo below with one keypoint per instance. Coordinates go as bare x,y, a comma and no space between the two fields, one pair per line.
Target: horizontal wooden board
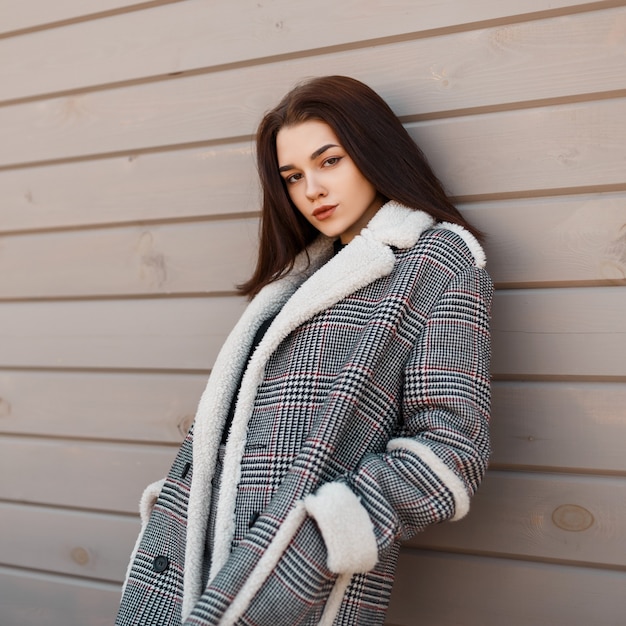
154,334
188,257
456,590
580,427
91,545
530,242
553,241
536,332
33,598
559,332
567,518
546,148
193,35
87,475
114,406
174,184
19,15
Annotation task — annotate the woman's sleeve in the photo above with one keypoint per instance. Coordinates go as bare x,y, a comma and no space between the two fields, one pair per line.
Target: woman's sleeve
429,473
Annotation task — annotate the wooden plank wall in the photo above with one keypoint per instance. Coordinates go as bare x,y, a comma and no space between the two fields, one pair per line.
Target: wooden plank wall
128,209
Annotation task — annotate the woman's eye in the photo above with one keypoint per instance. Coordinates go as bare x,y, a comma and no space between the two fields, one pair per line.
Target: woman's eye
332,161
293,178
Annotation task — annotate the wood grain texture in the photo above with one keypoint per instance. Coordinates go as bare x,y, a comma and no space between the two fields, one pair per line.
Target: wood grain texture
198,182
173,38
457,590
578,427
559,332
20,15
153,334
545,148
203,257
155,408
550,517
560,241
90,545
87,475
32,599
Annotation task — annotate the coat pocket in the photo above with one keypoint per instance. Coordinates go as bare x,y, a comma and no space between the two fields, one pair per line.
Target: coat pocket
298,586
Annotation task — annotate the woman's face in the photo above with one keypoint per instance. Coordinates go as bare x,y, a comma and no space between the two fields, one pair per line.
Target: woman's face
323,182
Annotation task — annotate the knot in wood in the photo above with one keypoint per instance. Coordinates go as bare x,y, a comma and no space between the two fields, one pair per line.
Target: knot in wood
80,556
572,518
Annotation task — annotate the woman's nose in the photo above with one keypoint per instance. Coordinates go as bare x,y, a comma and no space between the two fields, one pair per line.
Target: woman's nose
314,188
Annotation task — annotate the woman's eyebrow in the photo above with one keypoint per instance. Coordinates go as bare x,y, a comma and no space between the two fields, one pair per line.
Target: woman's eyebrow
322,150
313,156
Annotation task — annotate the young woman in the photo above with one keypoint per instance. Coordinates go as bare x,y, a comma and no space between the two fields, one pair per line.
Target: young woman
349,407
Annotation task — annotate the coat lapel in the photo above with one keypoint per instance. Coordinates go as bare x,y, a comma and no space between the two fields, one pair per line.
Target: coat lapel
214,406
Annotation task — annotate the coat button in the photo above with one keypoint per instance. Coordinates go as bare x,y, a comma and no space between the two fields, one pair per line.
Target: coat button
160,564
185,471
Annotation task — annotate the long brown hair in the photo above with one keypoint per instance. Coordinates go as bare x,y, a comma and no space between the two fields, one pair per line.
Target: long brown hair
376,141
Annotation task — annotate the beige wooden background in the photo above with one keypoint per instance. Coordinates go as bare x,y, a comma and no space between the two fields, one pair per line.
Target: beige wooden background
128,209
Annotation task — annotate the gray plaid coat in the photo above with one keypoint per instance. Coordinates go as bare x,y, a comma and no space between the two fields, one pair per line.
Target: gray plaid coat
362,418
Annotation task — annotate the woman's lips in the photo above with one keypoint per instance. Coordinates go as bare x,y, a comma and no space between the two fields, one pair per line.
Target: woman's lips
324,212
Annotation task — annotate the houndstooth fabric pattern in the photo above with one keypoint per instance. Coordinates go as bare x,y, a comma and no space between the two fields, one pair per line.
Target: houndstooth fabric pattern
383,390
164,535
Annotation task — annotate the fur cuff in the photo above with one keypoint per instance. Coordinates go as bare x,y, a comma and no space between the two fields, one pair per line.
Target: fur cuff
448,477
346,528
148,500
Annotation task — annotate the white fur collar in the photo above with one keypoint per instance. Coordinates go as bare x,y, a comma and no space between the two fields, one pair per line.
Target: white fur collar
298,296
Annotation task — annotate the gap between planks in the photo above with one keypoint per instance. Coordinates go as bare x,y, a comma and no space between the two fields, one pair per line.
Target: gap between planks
12,570
89,17
502,556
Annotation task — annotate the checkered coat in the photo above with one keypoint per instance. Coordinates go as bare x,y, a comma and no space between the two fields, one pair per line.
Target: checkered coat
362,418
